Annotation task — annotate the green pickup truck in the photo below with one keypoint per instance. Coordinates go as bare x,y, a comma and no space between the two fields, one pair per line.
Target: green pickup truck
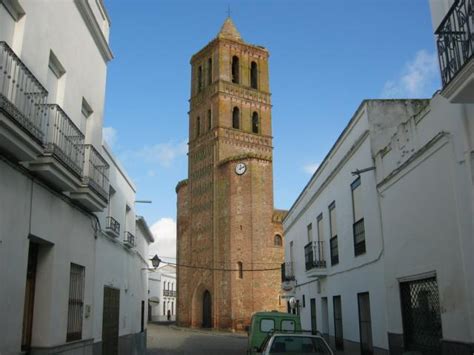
265,323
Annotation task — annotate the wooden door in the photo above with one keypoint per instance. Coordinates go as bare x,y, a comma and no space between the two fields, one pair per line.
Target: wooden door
110,321
29,296
206,310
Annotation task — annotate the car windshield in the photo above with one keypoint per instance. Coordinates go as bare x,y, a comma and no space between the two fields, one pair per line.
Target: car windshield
299,345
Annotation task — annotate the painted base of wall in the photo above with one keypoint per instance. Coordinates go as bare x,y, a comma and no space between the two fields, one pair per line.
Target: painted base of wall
162,319
130,344
352,347
448,347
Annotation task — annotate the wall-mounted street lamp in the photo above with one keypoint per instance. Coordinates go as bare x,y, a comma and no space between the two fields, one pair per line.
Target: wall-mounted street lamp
155,261
358,172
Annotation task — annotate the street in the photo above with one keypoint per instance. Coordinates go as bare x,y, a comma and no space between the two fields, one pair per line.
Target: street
164,340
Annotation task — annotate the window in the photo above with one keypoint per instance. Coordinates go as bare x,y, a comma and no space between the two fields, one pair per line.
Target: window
199,79
288,325
309,232
236,118
240,270
304,302
358,226
253,75
255,123
55,79
76,302
209,120
235,69
267,325
320,228
278,241
333,231
198,126
209,71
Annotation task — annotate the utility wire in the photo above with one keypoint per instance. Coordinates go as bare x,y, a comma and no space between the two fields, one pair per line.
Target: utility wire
219,269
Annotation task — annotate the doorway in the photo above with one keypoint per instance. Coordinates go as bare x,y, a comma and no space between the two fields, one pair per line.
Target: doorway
110,321
29,296
325,315
365,324
206,310
338,335
313,315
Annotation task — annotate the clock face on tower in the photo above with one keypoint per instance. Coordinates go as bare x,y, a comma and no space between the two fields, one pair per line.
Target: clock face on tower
240,168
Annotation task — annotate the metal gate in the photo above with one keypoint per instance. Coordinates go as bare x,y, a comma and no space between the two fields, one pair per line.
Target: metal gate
110,321
421,316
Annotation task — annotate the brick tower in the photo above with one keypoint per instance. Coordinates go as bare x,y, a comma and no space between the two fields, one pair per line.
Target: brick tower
228,230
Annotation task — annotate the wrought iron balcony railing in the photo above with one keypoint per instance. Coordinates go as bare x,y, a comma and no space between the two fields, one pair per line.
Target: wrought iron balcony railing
112,225
314,255
96,171
129,239
455,40
169,293
22,96
287,272
64,140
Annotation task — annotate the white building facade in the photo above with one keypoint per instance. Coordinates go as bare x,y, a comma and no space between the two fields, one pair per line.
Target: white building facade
162,294
380,240
60,253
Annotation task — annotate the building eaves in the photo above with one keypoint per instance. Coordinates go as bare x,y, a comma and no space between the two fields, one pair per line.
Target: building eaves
94,29
144,227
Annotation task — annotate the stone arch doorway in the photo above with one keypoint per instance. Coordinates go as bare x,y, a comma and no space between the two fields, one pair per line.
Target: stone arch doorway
206,310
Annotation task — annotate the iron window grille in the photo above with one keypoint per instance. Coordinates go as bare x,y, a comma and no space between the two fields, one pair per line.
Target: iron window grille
76,302
359,237
334,251
287,273
421,316
308,256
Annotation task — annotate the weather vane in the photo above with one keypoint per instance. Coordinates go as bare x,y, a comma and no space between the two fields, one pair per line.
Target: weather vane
228,10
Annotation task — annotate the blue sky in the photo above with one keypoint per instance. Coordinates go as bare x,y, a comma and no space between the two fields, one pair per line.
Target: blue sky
325,58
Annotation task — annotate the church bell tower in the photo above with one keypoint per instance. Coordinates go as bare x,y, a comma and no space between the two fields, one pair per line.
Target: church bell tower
229,237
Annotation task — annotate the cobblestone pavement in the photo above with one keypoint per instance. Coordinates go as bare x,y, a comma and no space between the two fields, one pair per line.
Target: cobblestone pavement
168,339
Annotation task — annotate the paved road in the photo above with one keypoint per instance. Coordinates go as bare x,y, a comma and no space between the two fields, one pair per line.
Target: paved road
169,340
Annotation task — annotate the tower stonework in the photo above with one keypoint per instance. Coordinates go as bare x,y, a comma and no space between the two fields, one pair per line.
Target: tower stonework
229,237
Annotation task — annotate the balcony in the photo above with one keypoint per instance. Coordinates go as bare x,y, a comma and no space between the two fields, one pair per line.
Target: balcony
112,227
315,263
287,271
62,161
93,193
129,240
455,42
169,293
23,117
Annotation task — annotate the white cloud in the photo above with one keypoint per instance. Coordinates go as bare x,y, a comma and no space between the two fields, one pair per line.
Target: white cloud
418,78
110,135
164,232
163,153
310,168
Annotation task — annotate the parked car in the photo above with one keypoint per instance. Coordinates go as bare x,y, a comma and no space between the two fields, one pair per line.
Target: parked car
297,344
264,324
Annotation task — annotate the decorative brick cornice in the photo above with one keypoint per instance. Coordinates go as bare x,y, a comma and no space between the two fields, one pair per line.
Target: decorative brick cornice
245,156
180,184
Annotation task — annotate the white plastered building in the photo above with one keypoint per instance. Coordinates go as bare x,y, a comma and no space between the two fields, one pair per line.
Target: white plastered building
69,237
403,282
162,293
